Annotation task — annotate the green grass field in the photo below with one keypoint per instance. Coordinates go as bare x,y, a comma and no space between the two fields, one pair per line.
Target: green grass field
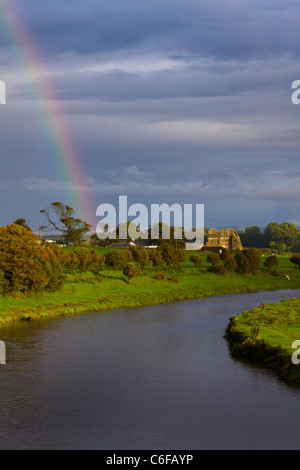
87,292
265,335
279,324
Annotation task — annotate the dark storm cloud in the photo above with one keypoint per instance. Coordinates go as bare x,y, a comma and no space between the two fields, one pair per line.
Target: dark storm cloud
166,100
222,28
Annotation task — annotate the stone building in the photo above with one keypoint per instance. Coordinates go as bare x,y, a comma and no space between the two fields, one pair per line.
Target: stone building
226,238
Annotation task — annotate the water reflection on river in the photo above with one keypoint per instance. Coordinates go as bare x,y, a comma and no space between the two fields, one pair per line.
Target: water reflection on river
146,378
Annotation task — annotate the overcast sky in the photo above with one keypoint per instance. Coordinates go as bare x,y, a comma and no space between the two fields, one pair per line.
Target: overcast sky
175,101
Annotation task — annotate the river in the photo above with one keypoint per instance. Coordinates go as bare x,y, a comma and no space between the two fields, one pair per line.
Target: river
156,377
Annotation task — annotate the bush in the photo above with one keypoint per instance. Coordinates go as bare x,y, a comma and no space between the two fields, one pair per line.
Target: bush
213,258
118,258
55,274
131,271
26,266
271,261
247,260
140,256
229,260
197,260
4,285
220,270
160,277
174,279
295,259
274,272
70,261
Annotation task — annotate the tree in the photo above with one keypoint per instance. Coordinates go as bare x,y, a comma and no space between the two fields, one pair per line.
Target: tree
85,259
70,261
197,260
228,260
252,237
295,259
118,258
278,234
61,218
140,256
271,261
247,260
178,258
131,271
22,223
156,258
26,266
213,258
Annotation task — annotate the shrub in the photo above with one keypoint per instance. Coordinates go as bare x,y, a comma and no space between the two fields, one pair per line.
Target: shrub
70,261
156,258
213,258
220,270
229,260
271,261
160,276
140,256
118,258
274,272
55,274
131,271
197,260
295,259
27,267
247,260
85,259
174,279
4,285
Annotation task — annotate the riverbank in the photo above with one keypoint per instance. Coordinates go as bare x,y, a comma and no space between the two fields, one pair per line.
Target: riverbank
110,290
264,336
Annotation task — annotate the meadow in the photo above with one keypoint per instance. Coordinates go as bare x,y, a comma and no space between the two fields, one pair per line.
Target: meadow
109,289
265,336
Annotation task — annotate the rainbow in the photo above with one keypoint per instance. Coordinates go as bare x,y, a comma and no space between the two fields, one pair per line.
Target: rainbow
67,160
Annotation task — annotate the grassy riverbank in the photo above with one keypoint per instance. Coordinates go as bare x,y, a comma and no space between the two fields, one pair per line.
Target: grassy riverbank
264,336
87,292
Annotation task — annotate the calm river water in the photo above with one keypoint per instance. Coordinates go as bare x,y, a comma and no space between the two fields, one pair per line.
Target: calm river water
146,378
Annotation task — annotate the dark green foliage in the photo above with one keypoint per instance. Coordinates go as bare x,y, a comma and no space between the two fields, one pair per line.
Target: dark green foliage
218,269
197,260
282,235
295,259
156,258
54,271
252,237
131,271
213,258
85,259
118,258
140,256
271,261
229,260
4,284
70,261
160,277
247,260
171,255
26,266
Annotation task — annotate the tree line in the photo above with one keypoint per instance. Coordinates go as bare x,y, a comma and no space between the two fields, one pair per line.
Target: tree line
27,266
279,237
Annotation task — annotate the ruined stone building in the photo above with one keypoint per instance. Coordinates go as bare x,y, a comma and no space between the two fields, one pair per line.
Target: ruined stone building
226,238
